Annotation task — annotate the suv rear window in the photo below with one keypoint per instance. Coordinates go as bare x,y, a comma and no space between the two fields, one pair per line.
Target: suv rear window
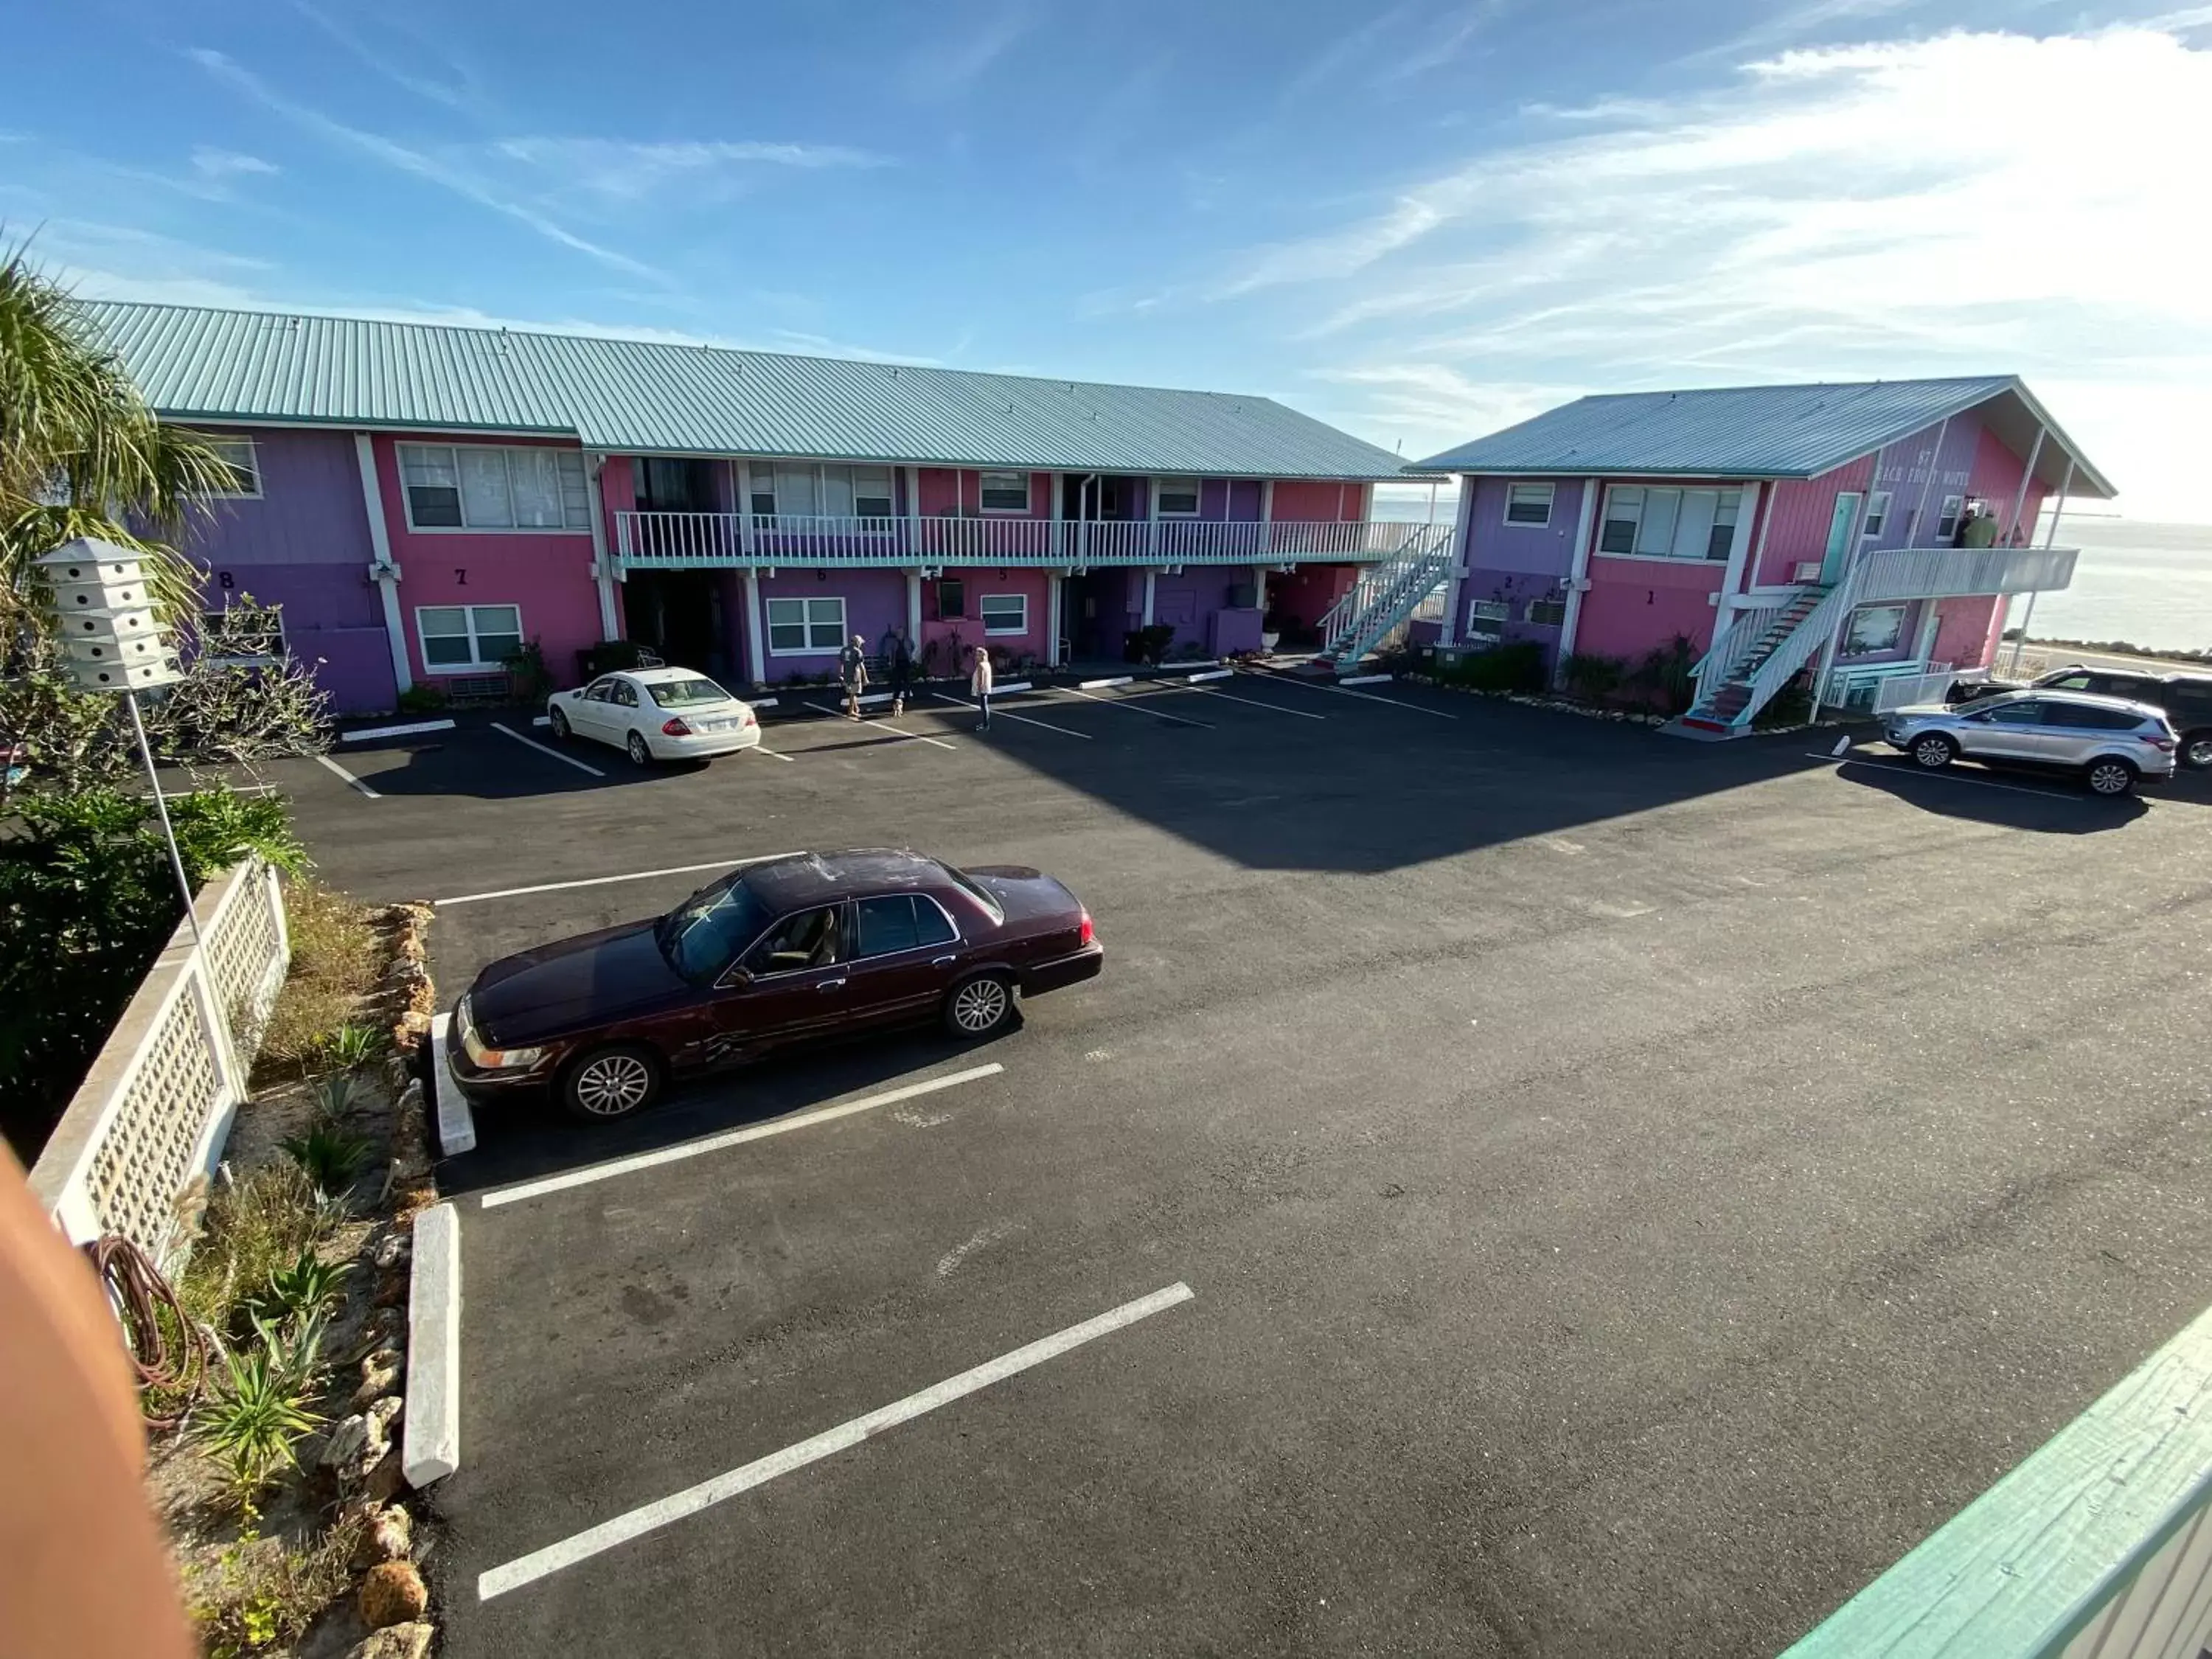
2082,719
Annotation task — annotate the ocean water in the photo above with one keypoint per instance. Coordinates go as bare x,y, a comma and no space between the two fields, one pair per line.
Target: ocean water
2148,584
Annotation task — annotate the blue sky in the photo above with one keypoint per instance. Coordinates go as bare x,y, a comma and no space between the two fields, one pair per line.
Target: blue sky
1419,221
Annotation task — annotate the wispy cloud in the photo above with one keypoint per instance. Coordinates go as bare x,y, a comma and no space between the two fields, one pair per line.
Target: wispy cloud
210,163
1347,54
1445,42
965,49
414,163
1792,24
1834,211
618,170
460,91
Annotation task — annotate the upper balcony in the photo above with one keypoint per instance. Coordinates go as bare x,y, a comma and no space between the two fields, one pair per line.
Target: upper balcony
1942,573
648,540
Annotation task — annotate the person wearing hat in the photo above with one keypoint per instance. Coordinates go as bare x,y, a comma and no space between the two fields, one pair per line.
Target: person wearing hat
853,671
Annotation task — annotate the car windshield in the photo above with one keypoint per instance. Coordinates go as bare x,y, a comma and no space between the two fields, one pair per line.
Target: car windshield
700,936
967,884
686,694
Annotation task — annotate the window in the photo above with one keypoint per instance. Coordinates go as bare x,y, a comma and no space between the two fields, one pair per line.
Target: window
1004,492
1874,627
475,487
1528,503
247,633
1547,613
1177,498
1004,613
468,635
952,598
1877,514
807,940
2015,714
805,490
601,691
871,492
1947,523
2084,718
764,489
796,627
687,694
1669,523
902,921
1486,620
237,456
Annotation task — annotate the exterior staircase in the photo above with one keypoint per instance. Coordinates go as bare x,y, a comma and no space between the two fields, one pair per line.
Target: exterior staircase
1386,595
1755,657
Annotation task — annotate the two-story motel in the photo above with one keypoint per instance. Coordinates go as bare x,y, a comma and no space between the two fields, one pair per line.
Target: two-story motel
422,500
1855,531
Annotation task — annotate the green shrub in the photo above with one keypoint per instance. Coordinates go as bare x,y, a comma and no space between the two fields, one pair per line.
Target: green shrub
1147,645
353,1046
336,958
1518,666
88,901
259,1594
1663,676
528,678
1792,705
253,1227
422,700
1587,675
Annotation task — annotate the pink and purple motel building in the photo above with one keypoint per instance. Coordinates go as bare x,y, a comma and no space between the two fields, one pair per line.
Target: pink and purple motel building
421,500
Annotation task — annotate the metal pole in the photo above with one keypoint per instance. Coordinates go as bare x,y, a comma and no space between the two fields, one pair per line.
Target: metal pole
168,833
2049,537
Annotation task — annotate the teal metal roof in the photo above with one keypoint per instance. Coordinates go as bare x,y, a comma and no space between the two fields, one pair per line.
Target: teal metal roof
1759,432
638,396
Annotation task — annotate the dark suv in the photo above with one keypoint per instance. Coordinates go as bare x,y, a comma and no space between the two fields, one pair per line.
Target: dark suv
2185,699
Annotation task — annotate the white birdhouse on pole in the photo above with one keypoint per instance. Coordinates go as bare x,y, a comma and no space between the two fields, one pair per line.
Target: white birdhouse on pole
112,640
104,615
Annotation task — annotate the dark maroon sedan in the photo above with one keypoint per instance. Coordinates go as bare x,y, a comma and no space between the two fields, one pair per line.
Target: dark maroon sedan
811,945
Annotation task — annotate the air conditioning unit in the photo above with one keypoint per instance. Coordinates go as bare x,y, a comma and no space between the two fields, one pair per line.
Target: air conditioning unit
1243,596
1809,571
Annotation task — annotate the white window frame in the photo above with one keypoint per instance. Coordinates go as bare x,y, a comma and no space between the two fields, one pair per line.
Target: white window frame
1558,601
476,663
982,483
985,600
1496,613
1900,607
580,526
1551,495
224,442
1704,554
1876,518
1947,519
807,623
1160,486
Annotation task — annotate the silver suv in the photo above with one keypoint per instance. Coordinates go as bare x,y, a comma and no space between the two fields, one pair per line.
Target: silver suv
2110,743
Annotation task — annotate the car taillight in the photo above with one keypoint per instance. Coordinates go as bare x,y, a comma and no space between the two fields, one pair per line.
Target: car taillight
1089,931
675,728
748,719
2164,745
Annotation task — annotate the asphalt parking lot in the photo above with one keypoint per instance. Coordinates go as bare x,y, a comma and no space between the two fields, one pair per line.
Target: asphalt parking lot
1522,1184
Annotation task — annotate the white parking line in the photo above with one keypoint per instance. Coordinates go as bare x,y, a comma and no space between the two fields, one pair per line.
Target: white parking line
603,881
1364,696
650,1517
1001,714
772,754
1132,705
884,726
457,1125
782,1125
349,777
1952,776
1254,702
396,731
532,742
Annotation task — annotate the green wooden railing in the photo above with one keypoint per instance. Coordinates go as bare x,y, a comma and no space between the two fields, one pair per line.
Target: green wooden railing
2098,1545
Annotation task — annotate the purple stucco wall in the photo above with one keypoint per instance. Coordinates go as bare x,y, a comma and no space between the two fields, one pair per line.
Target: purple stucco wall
874,600
1514,562
304,544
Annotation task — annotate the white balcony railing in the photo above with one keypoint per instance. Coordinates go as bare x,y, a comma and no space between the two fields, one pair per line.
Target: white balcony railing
653,540
1936,573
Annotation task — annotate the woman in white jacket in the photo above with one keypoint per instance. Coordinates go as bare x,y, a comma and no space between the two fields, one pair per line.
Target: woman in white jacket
979,684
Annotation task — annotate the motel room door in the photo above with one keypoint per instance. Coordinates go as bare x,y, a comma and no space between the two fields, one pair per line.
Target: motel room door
1841,522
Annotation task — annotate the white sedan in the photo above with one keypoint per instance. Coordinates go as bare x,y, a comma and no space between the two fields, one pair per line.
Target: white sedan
656,714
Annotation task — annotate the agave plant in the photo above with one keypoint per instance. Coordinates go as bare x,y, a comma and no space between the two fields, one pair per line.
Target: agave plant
254,1418
296,1295
330,1156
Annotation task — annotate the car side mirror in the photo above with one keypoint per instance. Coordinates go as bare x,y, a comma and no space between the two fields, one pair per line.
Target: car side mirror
737,978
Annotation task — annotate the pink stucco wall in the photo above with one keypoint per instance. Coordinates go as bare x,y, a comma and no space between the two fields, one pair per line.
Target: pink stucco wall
1636,606
1964,631
977,581
1304,501
959,493
1302,596
545,573
1797,526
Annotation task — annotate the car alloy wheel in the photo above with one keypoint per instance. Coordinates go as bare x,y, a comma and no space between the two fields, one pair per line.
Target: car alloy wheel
612,1084
638,751
980,1005
2111,778
1932,752
559,722
2197,751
